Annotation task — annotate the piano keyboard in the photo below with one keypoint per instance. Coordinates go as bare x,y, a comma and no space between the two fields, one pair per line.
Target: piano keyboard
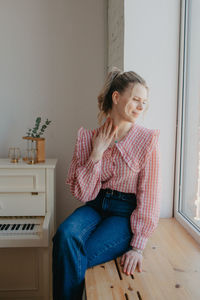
15,226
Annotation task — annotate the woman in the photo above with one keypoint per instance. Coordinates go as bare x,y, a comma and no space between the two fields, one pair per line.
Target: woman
115,172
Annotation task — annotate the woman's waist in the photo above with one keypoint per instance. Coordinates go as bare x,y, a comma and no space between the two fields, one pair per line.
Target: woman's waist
114,192
124,187
115,195
114,202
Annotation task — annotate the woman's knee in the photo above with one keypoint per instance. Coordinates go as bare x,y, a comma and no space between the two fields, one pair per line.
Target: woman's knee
66,231
78,225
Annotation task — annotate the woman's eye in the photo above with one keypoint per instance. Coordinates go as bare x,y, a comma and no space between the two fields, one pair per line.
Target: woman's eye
138,100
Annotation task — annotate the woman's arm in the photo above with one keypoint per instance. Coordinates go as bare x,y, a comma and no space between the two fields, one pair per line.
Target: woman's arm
84,175
145,217
84,179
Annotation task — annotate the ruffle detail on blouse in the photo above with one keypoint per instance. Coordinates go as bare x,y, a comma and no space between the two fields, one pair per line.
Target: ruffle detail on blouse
136,148
137,152
150,147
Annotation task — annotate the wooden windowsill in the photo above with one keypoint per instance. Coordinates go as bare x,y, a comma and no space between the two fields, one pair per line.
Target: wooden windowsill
171,270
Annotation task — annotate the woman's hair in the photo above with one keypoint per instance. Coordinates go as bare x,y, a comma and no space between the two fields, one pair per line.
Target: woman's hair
116,80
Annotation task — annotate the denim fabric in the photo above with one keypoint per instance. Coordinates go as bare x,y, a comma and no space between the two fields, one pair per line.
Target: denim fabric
93,234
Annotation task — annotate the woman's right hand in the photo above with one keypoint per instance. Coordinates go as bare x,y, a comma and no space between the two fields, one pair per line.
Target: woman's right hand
102,140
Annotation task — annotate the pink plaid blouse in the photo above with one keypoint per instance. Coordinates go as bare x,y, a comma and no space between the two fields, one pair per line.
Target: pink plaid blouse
132,166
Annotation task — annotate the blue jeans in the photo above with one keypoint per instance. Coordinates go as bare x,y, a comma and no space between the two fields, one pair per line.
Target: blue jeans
93,234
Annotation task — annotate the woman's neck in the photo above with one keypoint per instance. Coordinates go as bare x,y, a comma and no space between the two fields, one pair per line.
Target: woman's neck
121,132
123,126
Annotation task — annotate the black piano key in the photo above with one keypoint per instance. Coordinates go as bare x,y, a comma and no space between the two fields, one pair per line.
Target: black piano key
7,226
17,227
3,226
32,226
13,227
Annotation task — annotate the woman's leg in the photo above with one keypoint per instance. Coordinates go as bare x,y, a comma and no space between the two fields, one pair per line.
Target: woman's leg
69,259
110,239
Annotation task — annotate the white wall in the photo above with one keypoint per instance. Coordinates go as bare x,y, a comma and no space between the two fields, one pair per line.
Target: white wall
151,43
52,64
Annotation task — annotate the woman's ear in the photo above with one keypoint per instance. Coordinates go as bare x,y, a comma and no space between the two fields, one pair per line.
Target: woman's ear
115,97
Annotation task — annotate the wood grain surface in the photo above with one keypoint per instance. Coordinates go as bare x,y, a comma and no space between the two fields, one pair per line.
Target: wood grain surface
171,270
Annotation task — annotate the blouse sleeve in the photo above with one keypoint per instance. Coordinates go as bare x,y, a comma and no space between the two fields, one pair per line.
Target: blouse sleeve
84,175
145,217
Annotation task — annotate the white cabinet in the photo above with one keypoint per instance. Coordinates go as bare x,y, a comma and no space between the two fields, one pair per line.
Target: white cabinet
27,195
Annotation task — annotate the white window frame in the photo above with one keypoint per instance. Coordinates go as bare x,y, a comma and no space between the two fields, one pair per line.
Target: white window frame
191,227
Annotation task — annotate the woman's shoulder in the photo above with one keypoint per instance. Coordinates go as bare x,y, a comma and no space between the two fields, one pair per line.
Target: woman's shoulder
146,138
145,132
84,143
137,149
84,133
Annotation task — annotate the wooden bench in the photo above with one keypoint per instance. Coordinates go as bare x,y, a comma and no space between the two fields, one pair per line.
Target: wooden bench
171,270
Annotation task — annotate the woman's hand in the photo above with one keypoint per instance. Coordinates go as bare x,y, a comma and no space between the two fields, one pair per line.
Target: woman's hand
102,140
130,260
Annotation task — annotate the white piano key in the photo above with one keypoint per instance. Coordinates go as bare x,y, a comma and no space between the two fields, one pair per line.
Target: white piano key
20,226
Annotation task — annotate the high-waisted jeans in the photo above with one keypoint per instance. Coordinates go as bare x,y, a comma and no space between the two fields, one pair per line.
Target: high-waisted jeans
94,233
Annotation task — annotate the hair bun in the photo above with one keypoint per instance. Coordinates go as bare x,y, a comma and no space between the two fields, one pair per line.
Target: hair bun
115,72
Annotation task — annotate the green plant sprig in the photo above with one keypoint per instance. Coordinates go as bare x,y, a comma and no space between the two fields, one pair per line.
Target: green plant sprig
34,132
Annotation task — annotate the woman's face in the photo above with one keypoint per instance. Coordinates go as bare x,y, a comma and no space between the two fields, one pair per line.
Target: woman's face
131,103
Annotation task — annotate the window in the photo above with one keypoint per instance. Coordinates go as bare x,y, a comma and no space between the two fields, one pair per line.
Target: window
187,179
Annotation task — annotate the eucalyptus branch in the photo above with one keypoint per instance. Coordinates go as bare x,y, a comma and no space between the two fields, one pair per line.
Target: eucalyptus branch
34,132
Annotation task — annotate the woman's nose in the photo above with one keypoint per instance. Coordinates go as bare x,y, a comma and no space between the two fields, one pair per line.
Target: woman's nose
140,106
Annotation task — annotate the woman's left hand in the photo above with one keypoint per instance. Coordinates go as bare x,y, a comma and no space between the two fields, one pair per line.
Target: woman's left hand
130,260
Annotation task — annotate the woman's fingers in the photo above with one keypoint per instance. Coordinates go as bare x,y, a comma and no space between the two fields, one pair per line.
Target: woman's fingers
122,260
130,261
140,266
94,137
109,128
113,132
104,126
126,264
132,267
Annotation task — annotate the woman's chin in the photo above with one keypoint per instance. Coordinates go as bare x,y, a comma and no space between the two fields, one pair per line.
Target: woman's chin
133,117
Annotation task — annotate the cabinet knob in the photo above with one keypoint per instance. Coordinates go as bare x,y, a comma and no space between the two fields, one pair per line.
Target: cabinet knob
34,193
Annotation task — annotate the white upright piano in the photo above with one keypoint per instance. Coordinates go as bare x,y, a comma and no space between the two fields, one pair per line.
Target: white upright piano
27,225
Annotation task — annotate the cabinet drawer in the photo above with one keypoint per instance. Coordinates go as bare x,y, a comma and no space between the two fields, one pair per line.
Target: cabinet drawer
22,180
22,204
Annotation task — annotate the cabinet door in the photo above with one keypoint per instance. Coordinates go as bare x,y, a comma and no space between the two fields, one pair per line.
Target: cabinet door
22,180
22,204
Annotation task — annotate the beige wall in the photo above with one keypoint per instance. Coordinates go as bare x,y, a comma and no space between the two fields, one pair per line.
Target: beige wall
52,64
